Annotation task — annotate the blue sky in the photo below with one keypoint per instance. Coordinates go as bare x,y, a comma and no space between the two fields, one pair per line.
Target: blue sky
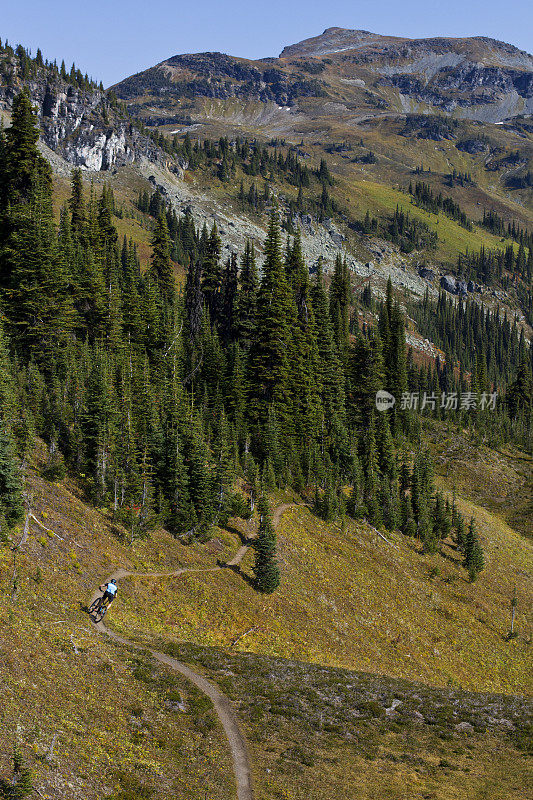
111,40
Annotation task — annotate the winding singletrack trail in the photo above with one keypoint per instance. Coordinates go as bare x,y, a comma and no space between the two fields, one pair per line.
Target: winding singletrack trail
221,704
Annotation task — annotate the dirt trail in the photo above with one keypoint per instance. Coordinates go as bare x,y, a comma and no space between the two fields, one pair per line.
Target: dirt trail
279,512
221,704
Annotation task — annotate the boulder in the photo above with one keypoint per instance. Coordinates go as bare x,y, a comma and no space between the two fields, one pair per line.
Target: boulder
449,284
464,727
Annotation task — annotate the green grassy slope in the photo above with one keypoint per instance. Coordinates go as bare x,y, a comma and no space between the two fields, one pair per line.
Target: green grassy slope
348,599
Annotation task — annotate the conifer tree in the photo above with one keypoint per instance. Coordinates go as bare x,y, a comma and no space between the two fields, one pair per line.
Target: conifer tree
330,381
34,286
8,393
200,478
11,501
371,472
181,515
224,469
77,206
298,277
20,785
193,301
474,560
161,264
269,368
385,445
357,491
339,302
328,505
365,378
22,165
389,503
247,296
520,392
212,273
397,368
408,523
228,299
265,569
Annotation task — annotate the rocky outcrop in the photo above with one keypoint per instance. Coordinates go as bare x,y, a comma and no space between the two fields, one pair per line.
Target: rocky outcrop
468,85
456,286
76,126
80,125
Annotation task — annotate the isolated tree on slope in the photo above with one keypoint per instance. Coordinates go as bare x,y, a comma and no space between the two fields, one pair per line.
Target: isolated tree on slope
265,568
474,560
20,785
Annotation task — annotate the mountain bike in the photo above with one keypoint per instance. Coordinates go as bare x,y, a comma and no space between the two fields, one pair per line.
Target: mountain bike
98,609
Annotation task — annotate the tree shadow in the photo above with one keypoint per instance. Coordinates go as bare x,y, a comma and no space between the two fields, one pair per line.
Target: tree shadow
236,532
236,568
449,557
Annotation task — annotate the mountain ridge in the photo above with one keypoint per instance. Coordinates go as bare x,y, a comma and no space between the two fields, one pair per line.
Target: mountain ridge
473,78
360,38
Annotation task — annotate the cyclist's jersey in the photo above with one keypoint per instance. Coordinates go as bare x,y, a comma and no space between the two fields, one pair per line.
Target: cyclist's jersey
111,589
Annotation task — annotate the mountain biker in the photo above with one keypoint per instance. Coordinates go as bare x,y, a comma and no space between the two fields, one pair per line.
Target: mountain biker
110,591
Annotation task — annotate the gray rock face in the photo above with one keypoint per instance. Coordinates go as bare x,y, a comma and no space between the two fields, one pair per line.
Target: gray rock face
426,273
449,284
79,126
478,91
455,286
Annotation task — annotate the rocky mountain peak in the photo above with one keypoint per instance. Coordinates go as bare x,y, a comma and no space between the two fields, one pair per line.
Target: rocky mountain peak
333,40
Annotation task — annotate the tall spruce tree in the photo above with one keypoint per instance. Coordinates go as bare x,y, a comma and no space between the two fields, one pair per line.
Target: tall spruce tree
34,285
266,571
247,296
161,263
228,300
474,560
269,367
339,302
11,499
212,273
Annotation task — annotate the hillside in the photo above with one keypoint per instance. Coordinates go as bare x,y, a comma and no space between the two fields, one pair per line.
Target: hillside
373,157
448,104
349,600
475,77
